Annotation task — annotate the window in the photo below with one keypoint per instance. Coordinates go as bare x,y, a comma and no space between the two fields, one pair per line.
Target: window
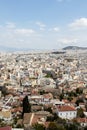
60,113
74,113
66,113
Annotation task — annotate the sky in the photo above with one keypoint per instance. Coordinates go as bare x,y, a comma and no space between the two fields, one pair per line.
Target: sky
43,24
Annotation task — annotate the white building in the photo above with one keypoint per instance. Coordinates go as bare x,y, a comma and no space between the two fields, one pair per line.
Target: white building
66,112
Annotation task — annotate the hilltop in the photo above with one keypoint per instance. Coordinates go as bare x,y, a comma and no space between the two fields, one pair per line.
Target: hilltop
74,48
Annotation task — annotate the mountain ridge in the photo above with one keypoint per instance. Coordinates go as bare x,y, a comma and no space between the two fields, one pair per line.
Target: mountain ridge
74,48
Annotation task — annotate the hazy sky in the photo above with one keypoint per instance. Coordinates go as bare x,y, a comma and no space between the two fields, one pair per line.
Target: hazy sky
43,24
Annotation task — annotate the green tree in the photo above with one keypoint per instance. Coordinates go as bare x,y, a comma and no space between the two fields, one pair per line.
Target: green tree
55,126
38,127
71,127
85,128
48,109
79,101
79,91
26,106
52,126
61,96
80,113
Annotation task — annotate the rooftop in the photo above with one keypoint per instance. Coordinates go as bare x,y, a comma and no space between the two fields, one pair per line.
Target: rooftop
66,108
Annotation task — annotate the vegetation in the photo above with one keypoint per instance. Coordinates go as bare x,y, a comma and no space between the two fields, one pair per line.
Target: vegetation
71,127
80,113
38,127
55,126
48,75
26,106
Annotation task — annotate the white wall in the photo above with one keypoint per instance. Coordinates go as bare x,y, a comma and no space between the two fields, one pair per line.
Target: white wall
67,114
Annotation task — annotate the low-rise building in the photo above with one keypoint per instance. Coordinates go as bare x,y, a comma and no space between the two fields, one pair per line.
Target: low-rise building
82,121
66,112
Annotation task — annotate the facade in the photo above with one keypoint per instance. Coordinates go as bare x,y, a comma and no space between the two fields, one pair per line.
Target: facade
66,112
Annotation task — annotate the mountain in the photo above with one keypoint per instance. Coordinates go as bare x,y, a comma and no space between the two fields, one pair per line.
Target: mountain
74,48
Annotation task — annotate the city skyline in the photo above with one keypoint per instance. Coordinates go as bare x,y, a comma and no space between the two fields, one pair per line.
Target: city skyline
43,24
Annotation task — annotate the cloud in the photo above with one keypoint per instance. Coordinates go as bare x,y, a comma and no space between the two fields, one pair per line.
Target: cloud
10,25
24,31
54,29
41,25
13,35
79,23
67,41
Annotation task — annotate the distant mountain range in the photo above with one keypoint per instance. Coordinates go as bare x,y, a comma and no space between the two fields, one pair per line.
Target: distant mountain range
74,48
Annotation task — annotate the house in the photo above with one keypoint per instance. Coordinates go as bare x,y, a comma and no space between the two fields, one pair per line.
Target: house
6,115
6,128
66,112
82,121
32,118
57,102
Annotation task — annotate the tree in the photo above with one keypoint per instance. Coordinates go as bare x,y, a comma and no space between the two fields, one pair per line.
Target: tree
71,127
26,106
55,116
55,126
50,118
79,91
38,127
79,101
61,96
80,113
49,109
52,126
85,128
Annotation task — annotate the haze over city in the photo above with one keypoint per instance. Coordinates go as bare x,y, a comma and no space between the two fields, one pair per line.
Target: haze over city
43,24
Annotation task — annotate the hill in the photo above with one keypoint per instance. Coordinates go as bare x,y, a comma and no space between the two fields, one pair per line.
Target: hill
74,48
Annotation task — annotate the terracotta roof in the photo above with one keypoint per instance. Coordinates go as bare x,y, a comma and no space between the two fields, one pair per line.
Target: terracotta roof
65,101
27,117
82,120
6,128
31,118
66,108
35,119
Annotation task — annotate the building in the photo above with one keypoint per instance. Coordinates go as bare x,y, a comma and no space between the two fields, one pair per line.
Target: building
66,112
6,128
82,121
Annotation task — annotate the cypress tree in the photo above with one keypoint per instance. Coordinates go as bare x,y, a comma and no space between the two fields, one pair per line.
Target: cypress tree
26,106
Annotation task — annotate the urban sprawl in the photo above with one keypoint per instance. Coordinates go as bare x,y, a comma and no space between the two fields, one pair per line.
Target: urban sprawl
43,90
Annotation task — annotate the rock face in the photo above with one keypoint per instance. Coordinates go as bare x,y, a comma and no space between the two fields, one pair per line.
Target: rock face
74,48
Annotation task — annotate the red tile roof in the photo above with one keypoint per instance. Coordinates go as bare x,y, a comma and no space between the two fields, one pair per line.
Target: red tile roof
66,108
6,128
82,120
